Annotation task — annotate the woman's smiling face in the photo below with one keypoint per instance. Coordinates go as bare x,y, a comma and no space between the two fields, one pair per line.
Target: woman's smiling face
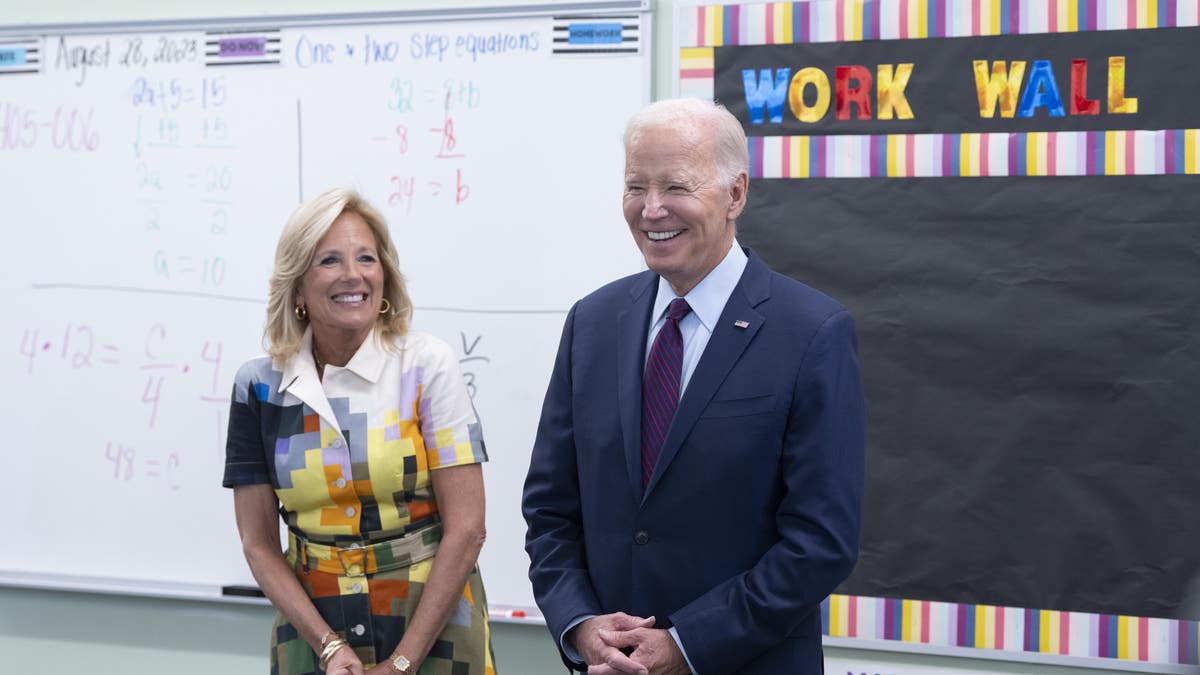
343,287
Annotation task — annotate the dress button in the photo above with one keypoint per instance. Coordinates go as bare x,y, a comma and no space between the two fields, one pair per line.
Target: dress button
355,546
339,483
349,511
337,443
359,629
642,537
357,588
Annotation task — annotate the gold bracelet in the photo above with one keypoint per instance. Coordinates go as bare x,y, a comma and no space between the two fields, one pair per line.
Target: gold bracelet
331,649
325,637
328,653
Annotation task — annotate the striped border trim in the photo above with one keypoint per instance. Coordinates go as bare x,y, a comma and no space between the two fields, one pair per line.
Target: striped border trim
696,67
1043,153
772,23
1127,638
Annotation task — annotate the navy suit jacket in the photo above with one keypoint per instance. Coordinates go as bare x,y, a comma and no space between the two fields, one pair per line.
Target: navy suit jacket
751,517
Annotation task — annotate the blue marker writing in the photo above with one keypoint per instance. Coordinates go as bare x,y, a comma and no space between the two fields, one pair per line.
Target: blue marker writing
594,33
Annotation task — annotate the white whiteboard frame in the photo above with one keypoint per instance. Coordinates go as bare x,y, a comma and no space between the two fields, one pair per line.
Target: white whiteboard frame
338,19
210,592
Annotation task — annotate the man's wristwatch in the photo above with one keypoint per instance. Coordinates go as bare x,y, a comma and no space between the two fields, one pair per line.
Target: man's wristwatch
401,663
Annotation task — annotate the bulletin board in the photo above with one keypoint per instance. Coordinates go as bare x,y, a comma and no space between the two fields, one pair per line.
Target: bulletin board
1004,193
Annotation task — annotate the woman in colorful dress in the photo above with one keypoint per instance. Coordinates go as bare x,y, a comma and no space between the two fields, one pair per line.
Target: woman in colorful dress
361,434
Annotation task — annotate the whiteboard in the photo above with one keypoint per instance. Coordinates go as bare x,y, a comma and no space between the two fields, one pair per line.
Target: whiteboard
145,174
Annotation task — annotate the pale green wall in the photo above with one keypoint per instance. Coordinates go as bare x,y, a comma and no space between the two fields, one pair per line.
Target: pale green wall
61,632
52,632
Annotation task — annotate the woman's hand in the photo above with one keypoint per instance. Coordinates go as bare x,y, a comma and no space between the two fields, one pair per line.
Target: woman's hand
344,662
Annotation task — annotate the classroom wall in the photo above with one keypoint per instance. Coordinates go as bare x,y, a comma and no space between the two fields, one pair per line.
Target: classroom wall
51,632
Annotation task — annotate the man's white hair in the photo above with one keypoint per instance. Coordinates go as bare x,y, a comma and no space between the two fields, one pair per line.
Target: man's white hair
732,156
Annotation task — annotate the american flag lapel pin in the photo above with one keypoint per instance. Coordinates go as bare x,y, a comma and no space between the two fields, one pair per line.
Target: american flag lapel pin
741,324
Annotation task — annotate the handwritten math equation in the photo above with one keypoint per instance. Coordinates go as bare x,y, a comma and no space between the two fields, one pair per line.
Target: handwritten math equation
128,464
165,373
167,94
412,141
147,371
66,128
175,113
184,160
159,370
472,359
209,187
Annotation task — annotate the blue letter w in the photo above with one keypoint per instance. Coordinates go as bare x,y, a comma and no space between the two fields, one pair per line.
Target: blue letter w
766,92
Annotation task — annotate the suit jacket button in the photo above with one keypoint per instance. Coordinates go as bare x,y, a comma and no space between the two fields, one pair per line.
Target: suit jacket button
642,537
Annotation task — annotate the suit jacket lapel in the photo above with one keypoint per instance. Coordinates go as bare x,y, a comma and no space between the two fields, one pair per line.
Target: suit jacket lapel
632,326
724,348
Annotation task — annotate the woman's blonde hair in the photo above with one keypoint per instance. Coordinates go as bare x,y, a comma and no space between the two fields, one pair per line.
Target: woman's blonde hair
293,256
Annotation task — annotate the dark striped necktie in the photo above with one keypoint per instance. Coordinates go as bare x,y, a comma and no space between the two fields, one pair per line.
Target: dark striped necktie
660,386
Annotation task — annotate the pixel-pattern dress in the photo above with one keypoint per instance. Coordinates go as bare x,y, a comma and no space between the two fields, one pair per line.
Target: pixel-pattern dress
350,460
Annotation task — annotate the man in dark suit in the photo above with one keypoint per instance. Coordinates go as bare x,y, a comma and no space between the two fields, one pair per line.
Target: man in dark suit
696,481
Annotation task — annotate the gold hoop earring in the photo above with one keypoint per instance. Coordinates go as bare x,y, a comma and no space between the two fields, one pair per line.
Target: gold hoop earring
386,307
300,312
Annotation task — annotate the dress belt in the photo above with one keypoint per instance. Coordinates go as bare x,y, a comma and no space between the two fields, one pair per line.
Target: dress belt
362,559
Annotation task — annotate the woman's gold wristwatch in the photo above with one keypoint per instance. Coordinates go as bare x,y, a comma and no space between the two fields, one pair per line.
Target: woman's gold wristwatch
401,663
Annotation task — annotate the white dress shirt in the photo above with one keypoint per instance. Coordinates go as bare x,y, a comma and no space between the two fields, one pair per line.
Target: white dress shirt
707,301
